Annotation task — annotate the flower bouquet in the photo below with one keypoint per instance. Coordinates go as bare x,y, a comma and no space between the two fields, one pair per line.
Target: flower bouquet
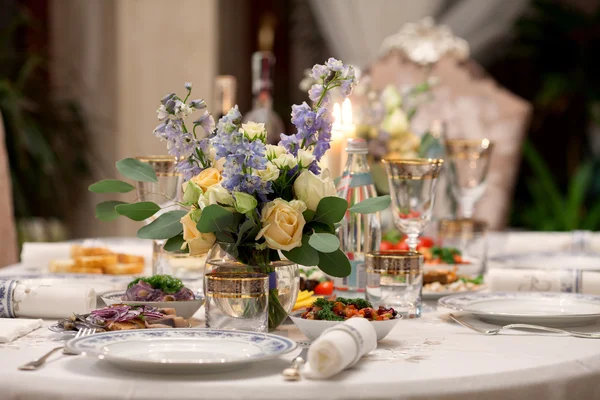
260,203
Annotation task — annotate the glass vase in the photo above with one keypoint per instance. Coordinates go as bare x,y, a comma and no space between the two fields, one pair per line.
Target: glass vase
284,278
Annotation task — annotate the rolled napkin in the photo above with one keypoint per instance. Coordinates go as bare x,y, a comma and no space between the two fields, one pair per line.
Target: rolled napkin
11,329
543,280
44,301
340,347
37,256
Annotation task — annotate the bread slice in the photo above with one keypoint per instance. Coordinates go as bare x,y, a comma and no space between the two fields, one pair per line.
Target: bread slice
83,251
129,259
96,261
61,266
124,269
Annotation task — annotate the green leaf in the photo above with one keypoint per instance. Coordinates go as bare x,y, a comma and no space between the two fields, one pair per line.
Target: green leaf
371,205
136,170
335,264
578,188
304,255
111,186
174,244
105,211
138,211
246,230
324,242
215,219
308,215
164,227
320,227
331,210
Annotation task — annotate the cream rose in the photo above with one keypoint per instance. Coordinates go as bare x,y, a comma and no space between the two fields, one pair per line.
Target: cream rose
311,189
254,130
198,242
282,225
285,160
216,194
305,157
270,173
207,178
274,151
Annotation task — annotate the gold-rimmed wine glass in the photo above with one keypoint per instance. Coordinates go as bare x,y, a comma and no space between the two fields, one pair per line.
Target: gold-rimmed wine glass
412,188
469,161
165,192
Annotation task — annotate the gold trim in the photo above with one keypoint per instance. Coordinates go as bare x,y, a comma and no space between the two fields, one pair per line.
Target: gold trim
156,158
394,262
414,161
220,295
168,174
463,227
217,276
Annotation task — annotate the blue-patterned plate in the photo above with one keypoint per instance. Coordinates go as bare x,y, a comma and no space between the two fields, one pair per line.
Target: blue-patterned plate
182,350
539,308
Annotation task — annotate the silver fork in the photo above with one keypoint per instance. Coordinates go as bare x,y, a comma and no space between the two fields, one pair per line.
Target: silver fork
584,335
292,373
38,362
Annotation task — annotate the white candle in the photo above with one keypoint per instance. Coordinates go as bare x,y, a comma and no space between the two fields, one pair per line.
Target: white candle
333,157
348,130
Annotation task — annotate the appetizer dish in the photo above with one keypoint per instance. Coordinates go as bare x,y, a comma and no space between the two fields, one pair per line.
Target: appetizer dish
442,255
305,298
342,309
97,260
157,288
121,317
315,280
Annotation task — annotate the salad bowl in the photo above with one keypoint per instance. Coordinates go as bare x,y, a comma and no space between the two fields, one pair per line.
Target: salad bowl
184,308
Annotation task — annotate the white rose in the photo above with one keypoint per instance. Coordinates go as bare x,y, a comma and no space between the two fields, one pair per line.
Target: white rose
270,173
311,188
282,225
218,164
395,123
254,130
274,151
216,194
305,157
285,160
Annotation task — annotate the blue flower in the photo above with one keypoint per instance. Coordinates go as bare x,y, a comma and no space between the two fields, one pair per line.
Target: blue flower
207,122
290,142
319,72
168,97
334,65
188,169
198,104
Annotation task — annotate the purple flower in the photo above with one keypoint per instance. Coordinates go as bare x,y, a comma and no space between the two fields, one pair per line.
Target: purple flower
290,142
315,93
168,97
314,168
198,104
334,65
188,168
207,122
320,148
346,86
319,72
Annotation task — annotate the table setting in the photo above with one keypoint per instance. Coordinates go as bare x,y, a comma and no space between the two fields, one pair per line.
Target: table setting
207,301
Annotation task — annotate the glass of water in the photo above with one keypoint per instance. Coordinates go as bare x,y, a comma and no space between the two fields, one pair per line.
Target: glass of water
237,301
395,279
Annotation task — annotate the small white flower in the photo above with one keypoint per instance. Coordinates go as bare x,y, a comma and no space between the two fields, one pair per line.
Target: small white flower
218,164
254,130
216,194
274,151
305,158
270,173
162,112
285,160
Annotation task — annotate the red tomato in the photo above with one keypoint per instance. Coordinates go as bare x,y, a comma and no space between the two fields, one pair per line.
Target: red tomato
324,288
401,245
385,245
425,241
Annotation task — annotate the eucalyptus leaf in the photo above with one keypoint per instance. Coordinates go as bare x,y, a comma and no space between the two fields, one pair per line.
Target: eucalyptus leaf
136,170
335,264
246,227
320,227
371,205
138,211
331,210
308,215
105,211
111,186
165,226
174,244
324,242
215,219
303,255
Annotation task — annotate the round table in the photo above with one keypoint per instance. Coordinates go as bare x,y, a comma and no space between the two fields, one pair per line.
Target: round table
424,358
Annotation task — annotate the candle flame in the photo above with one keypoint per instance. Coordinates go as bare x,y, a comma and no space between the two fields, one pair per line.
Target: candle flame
346,112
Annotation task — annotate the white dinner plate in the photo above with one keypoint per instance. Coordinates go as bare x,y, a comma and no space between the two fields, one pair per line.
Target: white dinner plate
182,350
429,295
549,309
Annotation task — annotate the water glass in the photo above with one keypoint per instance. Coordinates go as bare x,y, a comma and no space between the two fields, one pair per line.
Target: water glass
469,236
395,279
237,301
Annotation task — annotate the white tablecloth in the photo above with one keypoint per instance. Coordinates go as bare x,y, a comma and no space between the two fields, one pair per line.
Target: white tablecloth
421,359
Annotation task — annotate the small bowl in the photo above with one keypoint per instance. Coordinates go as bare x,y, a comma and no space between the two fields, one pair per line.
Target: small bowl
185,309
313,328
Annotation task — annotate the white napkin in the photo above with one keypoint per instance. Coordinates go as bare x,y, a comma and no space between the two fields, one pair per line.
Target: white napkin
540,280
52,301
11,329
37,256
340,347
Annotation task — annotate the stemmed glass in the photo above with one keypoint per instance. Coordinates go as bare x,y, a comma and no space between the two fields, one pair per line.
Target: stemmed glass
412,188
469,161
165,193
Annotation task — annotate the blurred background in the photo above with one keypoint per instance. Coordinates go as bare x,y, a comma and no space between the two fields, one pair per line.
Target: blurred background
80,82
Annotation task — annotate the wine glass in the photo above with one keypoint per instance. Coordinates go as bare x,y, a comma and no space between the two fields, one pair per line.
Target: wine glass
165,193
469,161
412,188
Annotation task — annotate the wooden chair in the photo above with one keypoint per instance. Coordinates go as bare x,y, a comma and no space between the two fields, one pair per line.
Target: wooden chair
8,234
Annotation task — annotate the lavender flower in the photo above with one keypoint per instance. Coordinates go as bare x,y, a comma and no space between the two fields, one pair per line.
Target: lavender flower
198,104
319,72
188,86
188,168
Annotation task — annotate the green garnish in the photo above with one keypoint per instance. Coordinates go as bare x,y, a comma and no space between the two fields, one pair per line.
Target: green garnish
326,306
446,254
477,281
166,283
393,236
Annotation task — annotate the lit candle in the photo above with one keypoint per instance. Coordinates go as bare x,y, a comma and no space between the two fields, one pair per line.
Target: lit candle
348,130
333,157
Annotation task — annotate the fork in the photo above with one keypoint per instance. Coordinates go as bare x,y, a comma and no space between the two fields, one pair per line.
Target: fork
38,362
584,335
292,373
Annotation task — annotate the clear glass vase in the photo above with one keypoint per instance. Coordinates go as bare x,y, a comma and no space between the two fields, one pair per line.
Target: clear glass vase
284,278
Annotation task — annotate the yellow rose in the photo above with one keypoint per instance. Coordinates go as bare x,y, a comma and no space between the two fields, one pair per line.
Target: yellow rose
207,178
198,242
282,225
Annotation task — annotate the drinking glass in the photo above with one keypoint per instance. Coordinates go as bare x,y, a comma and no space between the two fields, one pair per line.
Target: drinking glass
395,279
469,161
165,193
412,188
468,236
238,301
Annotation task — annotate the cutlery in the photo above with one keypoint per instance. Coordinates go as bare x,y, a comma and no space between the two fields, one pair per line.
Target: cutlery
584,335
293,373
38,362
